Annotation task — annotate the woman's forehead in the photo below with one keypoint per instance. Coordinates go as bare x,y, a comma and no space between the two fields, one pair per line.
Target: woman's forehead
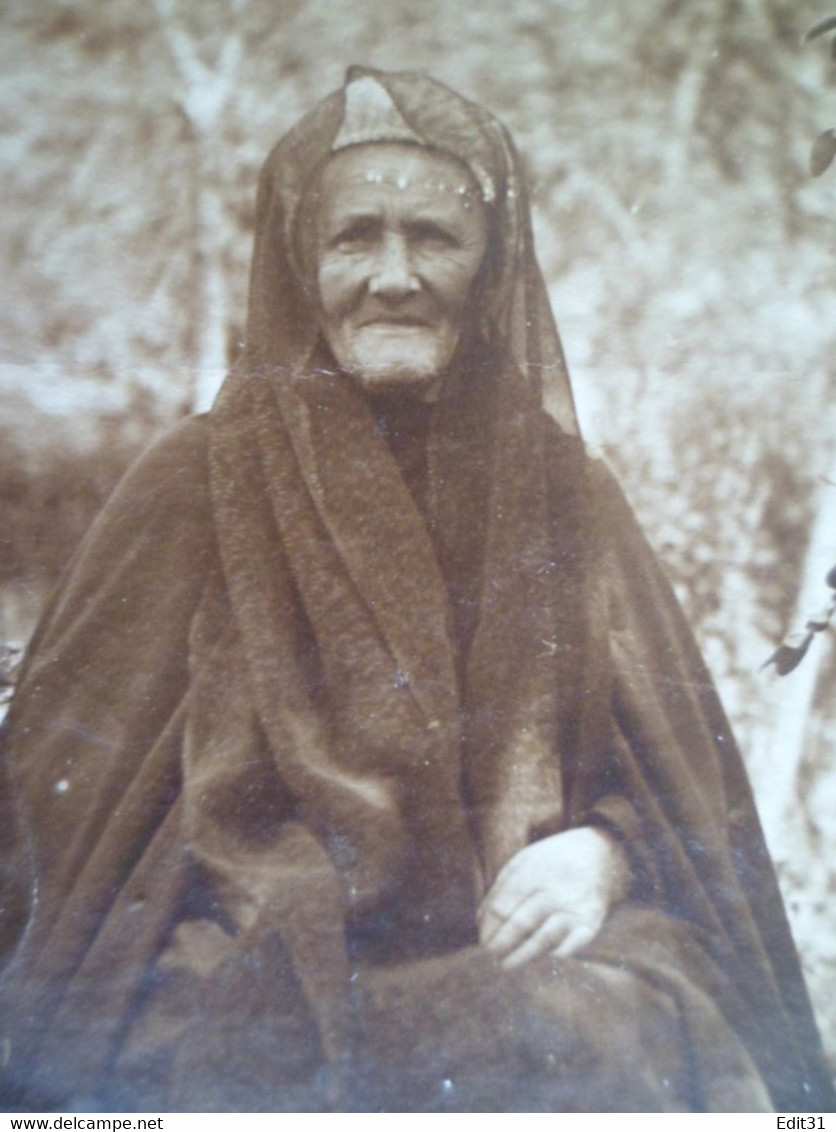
420,176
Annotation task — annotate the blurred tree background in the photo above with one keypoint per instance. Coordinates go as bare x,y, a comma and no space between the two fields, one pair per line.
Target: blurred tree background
689,254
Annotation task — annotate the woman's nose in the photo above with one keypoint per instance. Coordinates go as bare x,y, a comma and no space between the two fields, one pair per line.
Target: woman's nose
392,277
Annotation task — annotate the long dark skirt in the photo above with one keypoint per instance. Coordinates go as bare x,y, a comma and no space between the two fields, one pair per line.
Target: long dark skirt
620,1028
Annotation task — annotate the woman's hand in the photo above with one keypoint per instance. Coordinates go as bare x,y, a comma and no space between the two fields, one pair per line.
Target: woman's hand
553,896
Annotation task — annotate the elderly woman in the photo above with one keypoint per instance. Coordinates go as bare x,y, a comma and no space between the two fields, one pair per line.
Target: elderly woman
363,757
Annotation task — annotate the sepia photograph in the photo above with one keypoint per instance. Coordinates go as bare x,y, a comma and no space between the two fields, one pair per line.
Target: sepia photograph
417,557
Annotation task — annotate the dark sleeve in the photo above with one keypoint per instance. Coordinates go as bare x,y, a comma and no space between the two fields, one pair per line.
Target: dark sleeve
108,665
616,815
663,706
577,503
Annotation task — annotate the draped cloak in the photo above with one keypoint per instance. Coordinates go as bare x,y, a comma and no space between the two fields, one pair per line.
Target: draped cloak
318,671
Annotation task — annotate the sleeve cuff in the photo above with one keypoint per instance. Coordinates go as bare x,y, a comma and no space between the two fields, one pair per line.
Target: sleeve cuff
617,816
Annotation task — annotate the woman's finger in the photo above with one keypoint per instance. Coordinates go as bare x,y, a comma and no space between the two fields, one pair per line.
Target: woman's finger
545,940
504,894
578,937
506,874
503,935
502,902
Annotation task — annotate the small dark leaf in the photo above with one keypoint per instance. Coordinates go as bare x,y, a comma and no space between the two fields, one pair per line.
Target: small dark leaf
790,654
824,150
821,28
831,578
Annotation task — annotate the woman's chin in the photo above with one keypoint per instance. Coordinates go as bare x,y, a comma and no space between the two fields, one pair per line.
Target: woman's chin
411,360
415,374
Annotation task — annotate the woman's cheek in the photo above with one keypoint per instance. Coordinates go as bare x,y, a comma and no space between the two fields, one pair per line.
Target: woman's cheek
337,280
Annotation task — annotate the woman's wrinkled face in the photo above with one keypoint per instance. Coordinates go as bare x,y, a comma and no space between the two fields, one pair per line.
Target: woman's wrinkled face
402,233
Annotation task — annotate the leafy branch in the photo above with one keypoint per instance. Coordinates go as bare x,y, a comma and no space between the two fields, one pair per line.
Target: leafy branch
792,651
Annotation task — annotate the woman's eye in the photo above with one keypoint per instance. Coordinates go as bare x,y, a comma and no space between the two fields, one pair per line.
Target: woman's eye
434,234
360,232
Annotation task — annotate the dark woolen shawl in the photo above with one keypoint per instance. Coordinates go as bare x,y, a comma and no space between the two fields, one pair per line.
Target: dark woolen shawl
297,713
299,469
